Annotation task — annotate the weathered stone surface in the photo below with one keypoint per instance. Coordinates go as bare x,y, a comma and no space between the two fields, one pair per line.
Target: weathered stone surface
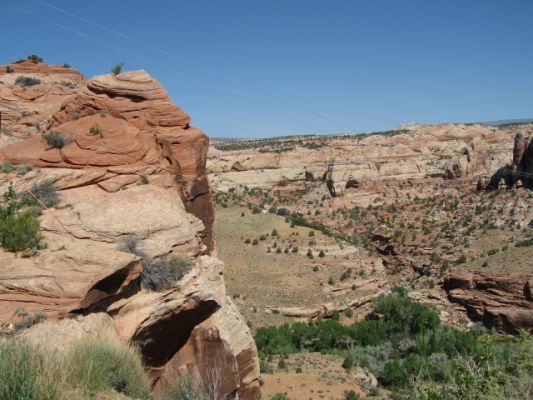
500,301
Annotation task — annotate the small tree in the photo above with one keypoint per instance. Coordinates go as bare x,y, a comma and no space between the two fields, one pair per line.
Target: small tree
36,58
117,69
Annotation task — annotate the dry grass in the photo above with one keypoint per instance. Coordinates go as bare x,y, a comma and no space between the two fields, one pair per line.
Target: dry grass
257,279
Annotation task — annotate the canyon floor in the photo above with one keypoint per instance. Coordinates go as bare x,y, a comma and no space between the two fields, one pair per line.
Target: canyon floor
296,251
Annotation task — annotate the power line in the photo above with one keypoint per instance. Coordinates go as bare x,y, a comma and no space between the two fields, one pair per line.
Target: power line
186,60
146,60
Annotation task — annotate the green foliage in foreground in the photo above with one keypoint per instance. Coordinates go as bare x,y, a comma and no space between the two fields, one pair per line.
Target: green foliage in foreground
90,366
90,369
23,374
96,366
404,345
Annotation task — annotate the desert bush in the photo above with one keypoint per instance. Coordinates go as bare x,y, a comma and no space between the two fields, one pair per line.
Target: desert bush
6,168
25,81
68,84
23,169
42,193
94,366
29,320
55,139
160,274
130,244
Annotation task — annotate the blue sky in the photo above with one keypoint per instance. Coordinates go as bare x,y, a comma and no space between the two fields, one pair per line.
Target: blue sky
252,68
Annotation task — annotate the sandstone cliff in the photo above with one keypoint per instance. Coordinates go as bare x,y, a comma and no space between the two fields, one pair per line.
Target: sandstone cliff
413,152
131,166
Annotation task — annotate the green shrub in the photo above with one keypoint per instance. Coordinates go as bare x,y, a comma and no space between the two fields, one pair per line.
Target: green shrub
347,363
94,366
351,395
55,139
20,231
6,168
25,81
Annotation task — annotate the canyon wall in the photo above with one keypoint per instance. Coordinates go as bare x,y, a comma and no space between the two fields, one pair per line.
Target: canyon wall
131,166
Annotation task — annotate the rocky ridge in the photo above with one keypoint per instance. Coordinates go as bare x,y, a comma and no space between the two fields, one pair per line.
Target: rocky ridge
131,166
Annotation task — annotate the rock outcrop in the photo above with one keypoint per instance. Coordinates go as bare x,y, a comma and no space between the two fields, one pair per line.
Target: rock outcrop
520,172
502,302
131,166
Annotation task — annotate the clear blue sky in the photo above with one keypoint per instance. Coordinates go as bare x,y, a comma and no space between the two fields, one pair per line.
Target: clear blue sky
264,68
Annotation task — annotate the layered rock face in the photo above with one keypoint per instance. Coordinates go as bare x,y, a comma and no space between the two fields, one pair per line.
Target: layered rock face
501,302
131,166
520,172
413,152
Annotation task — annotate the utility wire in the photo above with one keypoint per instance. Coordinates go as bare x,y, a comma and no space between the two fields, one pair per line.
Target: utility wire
196,64
172,69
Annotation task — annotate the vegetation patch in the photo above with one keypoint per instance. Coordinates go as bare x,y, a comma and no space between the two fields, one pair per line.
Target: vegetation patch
26,81
87,368
403,342
19,230
158,273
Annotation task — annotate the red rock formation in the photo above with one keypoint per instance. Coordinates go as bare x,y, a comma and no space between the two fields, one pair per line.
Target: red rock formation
502,302
141,136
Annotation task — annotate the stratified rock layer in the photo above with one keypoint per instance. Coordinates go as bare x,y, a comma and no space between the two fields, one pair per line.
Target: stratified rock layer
131,166
348,162
501,302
